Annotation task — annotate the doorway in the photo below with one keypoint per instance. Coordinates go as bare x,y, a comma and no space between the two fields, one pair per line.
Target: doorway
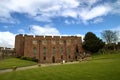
53,59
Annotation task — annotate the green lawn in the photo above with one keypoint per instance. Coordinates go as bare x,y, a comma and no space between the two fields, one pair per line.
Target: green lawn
9,63
101,67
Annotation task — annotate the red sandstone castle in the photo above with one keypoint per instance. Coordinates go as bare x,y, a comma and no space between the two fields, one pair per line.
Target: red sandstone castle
49,49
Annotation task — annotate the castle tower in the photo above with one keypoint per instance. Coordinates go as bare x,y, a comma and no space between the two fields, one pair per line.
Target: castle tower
19,45
48,49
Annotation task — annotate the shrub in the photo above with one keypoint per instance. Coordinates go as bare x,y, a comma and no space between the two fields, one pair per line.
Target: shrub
29,59
24,58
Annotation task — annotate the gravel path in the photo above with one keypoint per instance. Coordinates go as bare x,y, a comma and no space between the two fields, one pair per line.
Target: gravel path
34,66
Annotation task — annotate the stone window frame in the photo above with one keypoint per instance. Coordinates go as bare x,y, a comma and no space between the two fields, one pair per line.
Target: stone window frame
69,56
61,50
44,58
69,50
44,42
53,42
53,50
34,42
61,42
44,51
62,57
68,42
34,50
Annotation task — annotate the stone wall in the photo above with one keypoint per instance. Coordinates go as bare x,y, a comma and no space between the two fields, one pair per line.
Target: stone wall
48,49
6,52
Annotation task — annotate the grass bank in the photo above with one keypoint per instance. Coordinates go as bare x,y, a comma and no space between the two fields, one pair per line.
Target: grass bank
101,67
9,63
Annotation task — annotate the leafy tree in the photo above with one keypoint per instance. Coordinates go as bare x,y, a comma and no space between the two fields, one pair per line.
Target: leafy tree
110,36
92,43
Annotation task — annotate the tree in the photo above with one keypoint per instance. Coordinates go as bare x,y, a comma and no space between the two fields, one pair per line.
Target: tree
110,36
92,43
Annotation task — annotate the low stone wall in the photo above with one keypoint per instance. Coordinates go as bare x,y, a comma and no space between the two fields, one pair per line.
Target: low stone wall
6,53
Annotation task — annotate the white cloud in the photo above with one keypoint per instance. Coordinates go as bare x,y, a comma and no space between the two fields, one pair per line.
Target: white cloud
21,31
94,12
45,10
80,35
69,13
97,20
115,7
7,39
70,22
67,22
46,30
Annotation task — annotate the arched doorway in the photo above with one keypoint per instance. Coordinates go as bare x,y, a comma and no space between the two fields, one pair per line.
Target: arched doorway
53,59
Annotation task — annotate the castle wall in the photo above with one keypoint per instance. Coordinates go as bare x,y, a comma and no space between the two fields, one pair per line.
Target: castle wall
48,49
19,45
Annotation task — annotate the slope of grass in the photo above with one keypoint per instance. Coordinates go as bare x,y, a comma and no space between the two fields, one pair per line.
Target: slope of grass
96,69
106,56
9,63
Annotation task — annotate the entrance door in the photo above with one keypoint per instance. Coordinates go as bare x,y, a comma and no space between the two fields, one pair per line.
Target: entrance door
76,58
53,59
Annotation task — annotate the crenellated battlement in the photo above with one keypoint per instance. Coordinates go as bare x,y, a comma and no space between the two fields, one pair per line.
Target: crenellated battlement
46,37
48,49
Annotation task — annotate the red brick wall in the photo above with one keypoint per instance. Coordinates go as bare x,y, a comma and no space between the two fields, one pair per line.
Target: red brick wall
30,46
19,45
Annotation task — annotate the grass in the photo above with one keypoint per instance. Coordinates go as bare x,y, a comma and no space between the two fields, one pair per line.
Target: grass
101,67
9,63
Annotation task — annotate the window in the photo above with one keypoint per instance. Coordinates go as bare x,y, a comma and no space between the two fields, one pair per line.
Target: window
54,50
34,50
34,42
44,42
69,50
44,50
53,42
61,50
61,57
68,42
44,58
61,42
69,57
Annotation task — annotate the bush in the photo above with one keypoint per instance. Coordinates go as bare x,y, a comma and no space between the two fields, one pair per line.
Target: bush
18,57
24,58
29,59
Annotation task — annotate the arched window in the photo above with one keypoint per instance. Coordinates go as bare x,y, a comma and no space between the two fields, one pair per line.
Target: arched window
34,42
69,50
44,42
44,50
60,42
61,57
61,50
54,50
53,42
69,56
68,42
44,58
34,50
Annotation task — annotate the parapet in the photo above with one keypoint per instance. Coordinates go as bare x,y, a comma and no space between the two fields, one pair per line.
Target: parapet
48,37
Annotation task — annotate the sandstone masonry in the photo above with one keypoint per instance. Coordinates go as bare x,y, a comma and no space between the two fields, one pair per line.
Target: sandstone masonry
49,49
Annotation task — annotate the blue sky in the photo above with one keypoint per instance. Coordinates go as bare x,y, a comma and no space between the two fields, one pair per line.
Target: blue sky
56,17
